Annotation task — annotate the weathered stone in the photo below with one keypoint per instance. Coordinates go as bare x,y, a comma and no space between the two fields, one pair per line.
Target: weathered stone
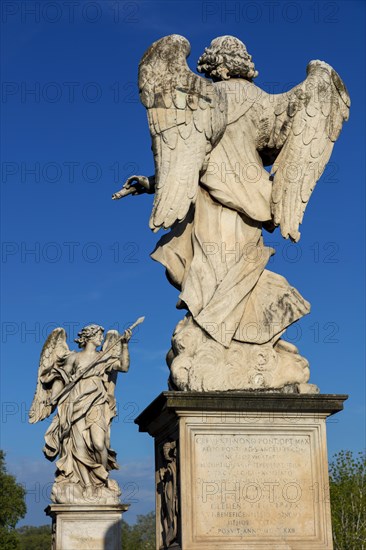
81,386
211,142
86,527
247,471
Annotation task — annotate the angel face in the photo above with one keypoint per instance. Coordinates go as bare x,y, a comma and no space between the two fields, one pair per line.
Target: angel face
90,333
225,58
97,339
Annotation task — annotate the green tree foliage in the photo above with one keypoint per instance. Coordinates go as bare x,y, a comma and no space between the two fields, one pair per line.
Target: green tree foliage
140,536
12,507
35,538
348,500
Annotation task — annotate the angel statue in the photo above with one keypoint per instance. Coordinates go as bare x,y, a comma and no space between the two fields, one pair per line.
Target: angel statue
212,139
81,386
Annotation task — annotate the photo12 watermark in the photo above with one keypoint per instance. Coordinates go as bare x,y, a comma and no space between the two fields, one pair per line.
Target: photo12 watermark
73,12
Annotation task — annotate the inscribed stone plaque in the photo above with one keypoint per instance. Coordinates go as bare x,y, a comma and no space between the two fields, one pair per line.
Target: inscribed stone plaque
251,485
260,483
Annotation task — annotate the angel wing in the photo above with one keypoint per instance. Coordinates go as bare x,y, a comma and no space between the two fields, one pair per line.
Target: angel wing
53,354
308,121
110,338
187,116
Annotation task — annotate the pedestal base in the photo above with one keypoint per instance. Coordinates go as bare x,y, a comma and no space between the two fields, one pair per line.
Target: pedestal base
86,527
241,470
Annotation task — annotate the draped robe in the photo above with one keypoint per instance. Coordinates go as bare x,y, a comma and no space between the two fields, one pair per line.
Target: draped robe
91,401
216,257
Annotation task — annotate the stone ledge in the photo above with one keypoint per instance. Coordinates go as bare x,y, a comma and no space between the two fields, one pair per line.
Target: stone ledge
85,508
168,402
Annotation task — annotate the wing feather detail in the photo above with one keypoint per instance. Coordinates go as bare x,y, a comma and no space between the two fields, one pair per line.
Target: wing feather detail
110,340
304,133
187,116
53,355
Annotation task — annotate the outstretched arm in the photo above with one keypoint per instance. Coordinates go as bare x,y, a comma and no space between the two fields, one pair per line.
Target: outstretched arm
142,185
125,358
123,364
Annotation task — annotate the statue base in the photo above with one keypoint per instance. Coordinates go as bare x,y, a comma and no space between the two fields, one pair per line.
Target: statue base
241,470
86,527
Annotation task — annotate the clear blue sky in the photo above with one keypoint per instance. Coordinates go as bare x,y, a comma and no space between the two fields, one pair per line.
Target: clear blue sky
70,143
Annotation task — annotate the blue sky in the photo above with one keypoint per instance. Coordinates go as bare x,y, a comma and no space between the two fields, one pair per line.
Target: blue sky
73,129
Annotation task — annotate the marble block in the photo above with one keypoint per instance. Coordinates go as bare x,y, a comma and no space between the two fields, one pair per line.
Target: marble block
83,527
241,470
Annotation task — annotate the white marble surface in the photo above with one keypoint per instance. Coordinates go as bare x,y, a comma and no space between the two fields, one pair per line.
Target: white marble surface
212,139
254,481
87,527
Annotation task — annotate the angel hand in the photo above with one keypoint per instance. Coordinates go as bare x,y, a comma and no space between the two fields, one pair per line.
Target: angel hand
142,185
127,336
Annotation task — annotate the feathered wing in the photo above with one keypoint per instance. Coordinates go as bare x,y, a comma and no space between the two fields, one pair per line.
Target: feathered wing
111,338
187,116
53,354
307,123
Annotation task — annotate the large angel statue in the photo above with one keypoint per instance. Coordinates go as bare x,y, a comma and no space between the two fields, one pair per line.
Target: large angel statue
81,386
212,139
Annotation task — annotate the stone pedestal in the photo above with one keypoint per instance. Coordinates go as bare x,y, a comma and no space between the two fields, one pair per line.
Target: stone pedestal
86,527
239,470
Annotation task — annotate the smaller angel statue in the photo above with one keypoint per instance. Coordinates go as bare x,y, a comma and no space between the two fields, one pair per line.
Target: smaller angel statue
81,386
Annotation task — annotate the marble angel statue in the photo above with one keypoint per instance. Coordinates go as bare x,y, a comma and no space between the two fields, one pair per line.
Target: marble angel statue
212,139
81,385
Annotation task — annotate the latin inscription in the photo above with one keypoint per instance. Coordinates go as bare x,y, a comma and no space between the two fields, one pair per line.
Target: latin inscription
253,486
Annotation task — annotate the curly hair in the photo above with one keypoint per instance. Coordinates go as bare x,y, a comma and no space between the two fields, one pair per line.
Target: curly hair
86,334
225,58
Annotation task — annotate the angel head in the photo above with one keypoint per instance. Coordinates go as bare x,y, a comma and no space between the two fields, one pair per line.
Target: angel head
169,450
225,58
90,333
